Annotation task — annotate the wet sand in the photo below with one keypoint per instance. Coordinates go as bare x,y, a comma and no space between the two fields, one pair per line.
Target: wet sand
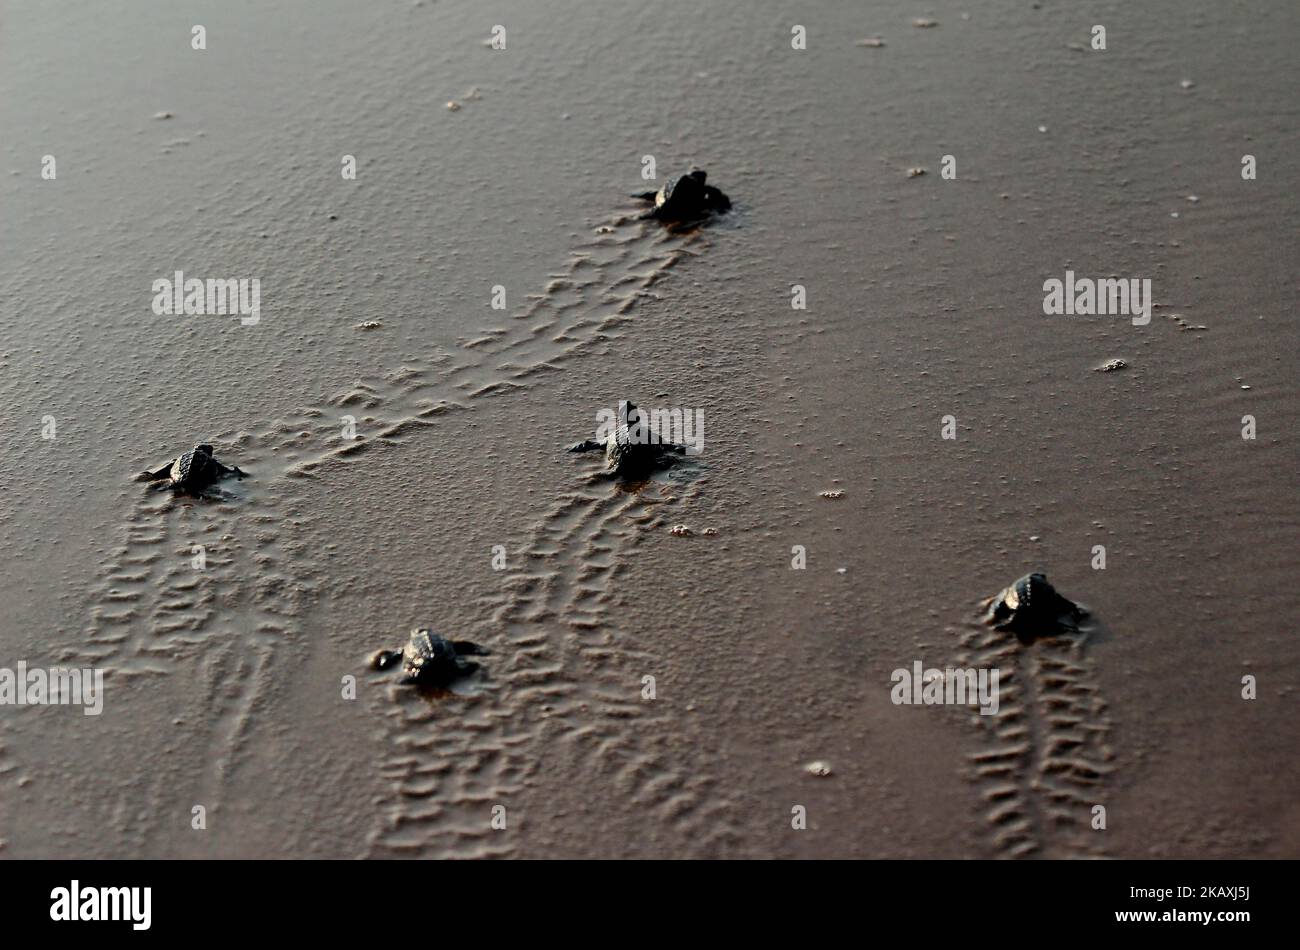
224,687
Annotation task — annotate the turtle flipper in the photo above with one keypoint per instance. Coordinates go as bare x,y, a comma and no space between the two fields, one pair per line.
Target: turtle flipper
715,200
1070,617
587,446
666,457
235,470
465,667
646,195
147,476
384,659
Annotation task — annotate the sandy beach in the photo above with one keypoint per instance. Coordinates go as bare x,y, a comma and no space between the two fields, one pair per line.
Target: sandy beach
893,428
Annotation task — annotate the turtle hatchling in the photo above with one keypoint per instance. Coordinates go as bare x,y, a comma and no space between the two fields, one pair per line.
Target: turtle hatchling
632,450
1031,607
194,471
430,660
685,199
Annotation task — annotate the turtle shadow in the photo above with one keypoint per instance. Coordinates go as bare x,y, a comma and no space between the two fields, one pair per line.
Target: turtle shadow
470,686
679,471
1088,630
721,220
728,221
637,485
209,496
1093,630
213,493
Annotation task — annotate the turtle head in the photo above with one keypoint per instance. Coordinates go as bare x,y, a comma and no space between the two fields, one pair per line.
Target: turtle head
699,174
204,448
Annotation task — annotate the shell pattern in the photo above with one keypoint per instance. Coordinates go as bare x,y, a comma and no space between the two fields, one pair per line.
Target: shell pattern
193,468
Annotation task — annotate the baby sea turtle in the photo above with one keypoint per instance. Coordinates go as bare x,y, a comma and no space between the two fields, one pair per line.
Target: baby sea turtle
686,198
632,449
194,471
1032,607
430,660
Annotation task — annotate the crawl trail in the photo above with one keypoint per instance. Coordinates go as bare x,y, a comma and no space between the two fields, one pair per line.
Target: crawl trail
231,623
1044,758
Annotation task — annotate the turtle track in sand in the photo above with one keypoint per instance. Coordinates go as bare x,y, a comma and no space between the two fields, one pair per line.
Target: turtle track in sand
149,577
574,687
1045,759
229,626
226,623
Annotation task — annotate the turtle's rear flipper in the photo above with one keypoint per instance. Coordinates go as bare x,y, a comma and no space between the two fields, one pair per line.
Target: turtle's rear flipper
466,648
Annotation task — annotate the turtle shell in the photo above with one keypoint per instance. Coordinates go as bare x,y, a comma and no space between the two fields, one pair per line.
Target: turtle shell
192,468
428,657
628,446
684,195
1032,592
1032,602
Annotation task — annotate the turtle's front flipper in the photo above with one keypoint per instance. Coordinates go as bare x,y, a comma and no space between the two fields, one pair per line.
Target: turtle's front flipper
465,667
235,470
384,659
646,196
715,200
1070,617
147,476
588,446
